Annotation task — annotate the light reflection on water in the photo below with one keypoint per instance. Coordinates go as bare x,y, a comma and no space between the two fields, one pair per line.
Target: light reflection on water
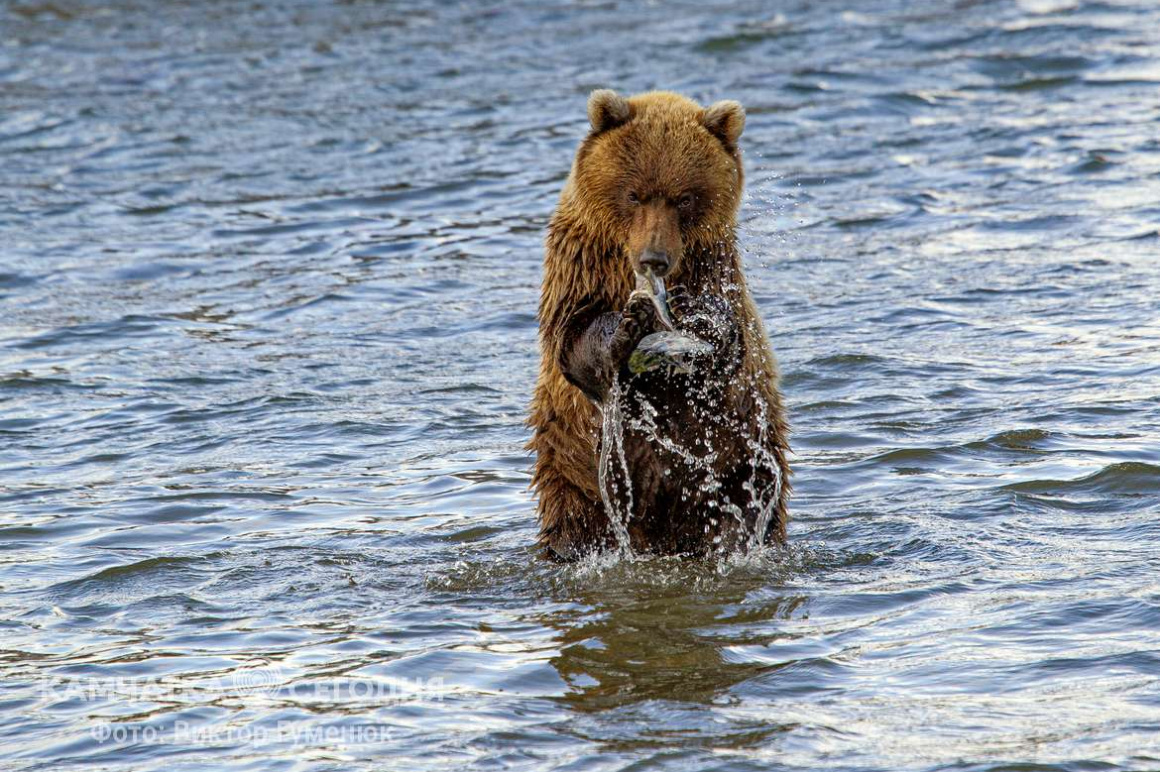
268,276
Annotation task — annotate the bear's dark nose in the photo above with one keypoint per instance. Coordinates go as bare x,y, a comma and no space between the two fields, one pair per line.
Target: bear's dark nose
657,262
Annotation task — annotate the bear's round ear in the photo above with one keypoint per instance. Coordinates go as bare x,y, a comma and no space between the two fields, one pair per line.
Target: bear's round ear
607,110
725,120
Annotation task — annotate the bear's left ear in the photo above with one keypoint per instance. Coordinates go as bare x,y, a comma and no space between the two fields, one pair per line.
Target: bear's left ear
725,120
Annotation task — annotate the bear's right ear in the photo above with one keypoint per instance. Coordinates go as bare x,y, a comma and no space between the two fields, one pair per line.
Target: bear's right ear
607,110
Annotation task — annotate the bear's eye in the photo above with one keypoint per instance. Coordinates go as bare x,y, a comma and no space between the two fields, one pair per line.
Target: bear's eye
686,201
633,198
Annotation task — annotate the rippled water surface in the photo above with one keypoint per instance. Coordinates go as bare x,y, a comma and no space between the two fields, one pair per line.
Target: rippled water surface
268,277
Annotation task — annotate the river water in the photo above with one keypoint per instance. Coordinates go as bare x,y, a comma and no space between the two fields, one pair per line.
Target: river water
268,280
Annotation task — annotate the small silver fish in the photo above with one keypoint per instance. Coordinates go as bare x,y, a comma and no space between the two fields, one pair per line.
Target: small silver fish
650,284
674,350
667,348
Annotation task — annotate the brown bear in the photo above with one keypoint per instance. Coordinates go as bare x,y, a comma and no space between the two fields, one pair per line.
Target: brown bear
693,462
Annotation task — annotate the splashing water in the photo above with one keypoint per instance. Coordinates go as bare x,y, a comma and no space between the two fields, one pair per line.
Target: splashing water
612,444
700,468
765,505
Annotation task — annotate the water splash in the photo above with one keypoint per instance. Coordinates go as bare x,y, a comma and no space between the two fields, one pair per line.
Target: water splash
765,505
612,448
700,469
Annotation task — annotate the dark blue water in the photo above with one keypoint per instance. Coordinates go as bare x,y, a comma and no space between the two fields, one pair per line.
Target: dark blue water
268,275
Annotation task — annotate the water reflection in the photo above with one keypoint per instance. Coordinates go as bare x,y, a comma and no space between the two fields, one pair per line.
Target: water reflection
644,636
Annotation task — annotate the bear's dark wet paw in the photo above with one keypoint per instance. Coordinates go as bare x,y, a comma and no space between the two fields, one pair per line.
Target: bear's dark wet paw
638,319
680,302
642,308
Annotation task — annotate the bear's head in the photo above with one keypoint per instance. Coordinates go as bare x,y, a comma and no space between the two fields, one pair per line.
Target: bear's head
659,175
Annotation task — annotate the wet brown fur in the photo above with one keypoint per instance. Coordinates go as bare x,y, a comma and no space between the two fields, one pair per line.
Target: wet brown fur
664,148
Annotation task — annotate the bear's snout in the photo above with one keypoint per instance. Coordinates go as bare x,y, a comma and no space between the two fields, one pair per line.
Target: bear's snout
656,261
655,239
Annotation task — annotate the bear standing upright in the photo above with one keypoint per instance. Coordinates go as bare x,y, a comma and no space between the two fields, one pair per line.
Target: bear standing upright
700,460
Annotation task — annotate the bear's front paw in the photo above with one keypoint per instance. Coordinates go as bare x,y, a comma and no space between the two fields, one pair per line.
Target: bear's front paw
638,319
680,303
708,318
